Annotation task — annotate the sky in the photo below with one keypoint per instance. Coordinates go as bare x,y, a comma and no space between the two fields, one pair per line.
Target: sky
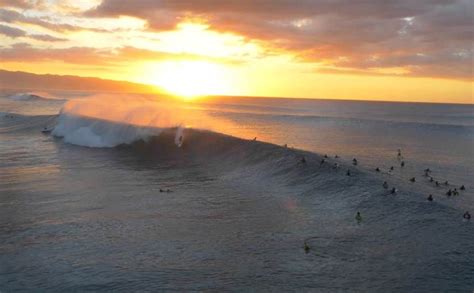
395,50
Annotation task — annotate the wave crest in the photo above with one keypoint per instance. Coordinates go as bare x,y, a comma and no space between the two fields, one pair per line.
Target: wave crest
33,96
91,132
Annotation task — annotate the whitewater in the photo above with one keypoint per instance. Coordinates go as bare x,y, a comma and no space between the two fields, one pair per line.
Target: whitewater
146,193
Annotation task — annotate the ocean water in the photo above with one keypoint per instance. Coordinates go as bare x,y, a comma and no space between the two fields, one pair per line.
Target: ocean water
86,206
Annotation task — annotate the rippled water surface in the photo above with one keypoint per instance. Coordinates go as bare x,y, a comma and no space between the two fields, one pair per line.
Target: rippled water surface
75,218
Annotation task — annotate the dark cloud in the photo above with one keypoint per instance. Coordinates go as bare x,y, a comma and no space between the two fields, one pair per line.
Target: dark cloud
23,52
11,31
46,38
17,3
425,37
12,16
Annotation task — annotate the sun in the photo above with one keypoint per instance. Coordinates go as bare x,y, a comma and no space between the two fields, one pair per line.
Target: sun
189,79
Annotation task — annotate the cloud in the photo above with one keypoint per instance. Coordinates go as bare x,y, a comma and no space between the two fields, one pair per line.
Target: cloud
46,38
11,31
354,35
13,16
17,3
420,38
23,52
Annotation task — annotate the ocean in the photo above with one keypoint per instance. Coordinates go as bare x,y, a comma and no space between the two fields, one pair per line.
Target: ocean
122,192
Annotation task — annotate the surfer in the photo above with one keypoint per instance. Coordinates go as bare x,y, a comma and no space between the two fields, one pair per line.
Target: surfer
358,217
325,156
322,161
449,193
303,160
446,183
336,165
412,179
348,173
377,169
306,247
336,157
354,162
391,168
399,153
467,215
255,139
437,183
385,185
393,191
430,197
455,191
431,179
402,164
462,187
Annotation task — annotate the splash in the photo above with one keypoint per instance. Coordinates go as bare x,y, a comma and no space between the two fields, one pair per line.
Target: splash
111,120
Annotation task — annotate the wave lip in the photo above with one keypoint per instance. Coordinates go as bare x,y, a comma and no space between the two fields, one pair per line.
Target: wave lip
93,132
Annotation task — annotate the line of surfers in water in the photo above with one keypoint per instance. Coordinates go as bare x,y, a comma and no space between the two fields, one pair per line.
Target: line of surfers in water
358,217
450,192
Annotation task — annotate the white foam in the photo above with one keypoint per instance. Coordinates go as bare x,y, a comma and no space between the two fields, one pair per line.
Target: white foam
91,132
108,121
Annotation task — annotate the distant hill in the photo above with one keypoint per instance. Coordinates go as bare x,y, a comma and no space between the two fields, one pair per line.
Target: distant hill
25,80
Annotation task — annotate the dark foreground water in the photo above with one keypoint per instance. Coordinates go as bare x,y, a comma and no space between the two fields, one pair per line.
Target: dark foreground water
77,218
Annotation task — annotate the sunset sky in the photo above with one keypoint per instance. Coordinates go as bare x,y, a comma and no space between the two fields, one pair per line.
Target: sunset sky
401,50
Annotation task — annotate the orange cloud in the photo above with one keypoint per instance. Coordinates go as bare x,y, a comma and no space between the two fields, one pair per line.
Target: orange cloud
334,30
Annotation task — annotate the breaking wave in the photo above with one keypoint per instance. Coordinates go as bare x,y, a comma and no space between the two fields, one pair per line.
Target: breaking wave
232,157
91,132
34,96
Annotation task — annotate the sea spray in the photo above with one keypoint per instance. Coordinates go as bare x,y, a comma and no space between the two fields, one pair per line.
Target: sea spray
109,120
92,132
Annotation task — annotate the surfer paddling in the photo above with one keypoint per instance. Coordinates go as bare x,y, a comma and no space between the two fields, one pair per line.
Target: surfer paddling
306,247
399,154
467,216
